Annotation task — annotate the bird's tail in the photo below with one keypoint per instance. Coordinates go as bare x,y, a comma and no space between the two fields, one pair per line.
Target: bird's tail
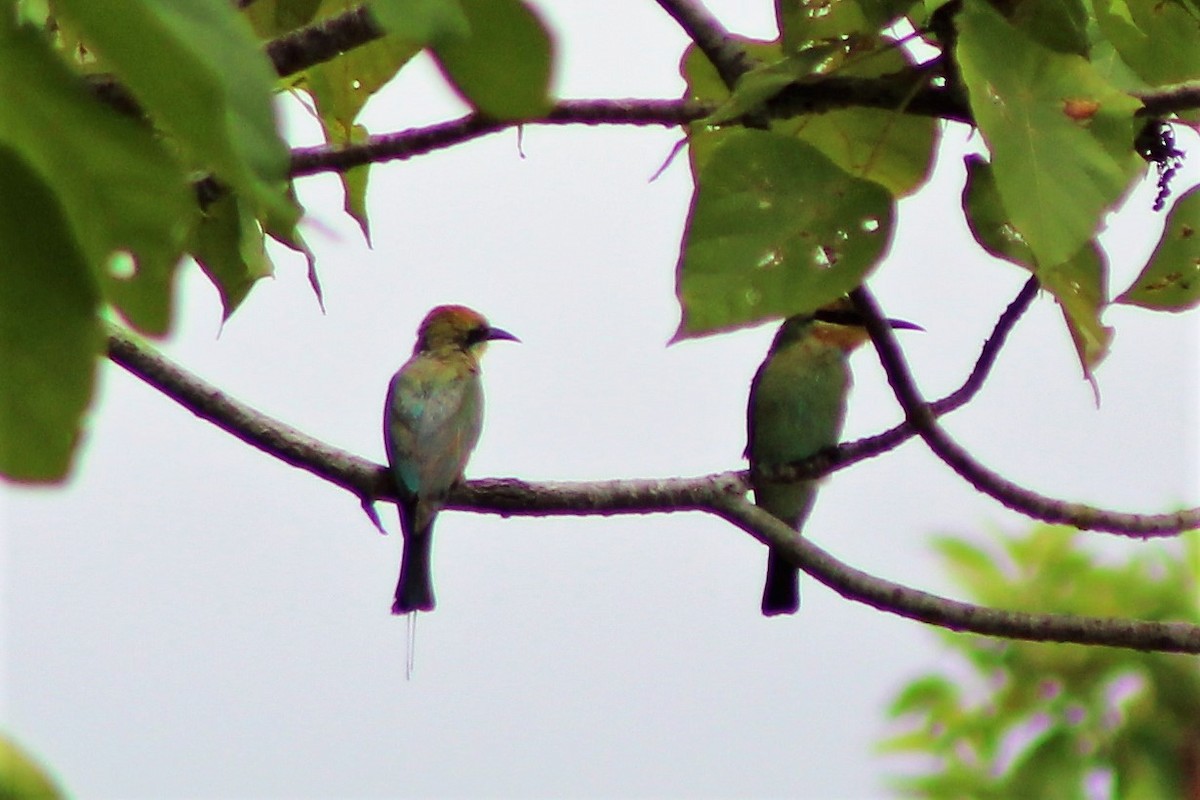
414,591
781,592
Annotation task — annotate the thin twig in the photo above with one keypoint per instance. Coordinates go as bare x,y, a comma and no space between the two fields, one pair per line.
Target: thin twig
921,417
852,452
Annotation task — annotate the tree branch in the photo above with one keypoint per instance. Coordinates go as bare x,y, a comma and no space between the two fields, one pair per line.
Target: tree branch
921,417
418,141
719,47
721,494
854,584
322,41
847,453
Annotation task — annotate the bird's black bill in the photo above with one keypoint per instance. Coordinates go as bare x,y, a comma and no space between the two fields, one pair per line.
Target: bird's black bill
500,333
851,317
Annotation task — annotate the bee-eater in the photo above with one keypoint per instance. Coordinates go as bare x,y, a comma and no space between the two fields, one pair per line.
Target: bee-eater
797,408
431,422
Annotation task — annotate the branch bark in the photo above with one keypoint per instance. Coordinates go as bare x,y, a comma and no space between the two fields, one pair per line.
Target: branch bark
921,417
719,47
847,453
722,494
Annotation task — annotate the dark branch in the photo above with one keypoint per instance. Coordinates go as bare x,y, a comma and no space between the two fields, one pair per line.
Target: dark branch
921,416
1169,99
322,41
721,494
852,452
851,92
726,55
418,141
853,584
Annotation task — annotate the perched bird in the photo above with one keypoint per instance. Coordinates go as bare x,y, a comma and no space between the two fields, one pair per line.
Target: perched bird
797,407
431,422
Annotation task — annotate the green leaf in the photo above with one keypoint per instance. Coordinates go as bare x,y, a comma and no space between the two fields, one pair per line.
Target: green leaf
341,87
804,23
50,336
1050,768
1061,138
1060,25
929,692
988,218
228,246
775,228
272,18
1160,41
502,67
196,68
1170,281
974,568
22,778
705,85
120,189
765,81
423,21
1079,286
893,149
354,185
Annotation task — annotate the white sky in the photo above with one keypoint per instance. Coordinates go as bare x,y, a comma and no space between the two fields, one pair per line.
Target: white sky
190,617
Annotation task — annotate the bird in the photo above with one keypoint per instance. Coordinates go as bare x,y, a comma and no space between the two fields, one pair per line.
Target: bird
432,420
796,408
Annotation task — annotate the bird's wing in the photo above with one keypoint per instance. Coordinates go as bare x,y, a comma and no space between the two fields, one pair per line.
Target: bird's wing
433,419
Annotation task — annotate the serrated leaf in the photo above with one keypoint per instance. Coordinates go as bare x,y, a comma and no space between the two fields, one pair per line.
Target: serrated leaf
1080,287
775,229
503,66
1170,281
196,68
342,86
295,242
1061,138
50,336
228,246
354,186
120,189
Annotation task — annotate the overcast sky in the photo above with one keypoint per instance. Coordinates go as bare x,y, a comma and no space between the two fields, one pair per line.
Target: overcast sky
190,617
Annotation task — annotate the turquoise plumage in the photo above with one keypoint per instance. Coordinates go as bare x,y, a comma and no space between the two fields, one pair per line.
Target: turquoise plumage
432,420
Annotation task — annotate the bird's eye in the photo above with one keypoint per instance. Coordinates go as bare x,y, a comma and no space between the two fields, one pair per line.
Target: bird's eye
477,335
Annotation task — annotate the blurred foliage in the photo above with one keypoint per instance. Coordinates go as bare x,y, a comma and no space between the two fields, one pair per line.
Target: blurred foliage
1044,720
22,778
144,133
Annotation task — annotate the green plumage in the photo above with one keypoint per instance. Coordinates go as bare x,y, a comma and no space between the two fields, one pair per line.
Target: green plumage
432,420
797,407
